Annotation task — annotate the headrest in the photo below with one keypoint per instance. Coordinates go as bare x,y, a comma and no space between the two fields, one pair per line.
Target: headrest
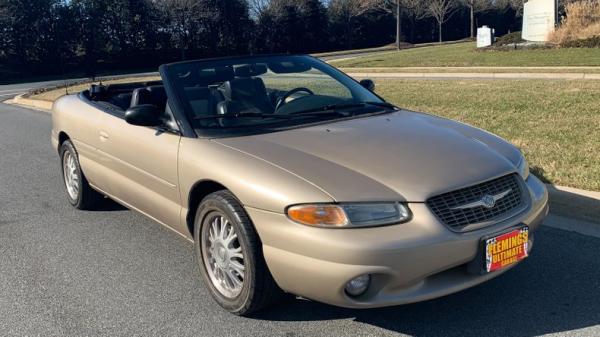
249,70
158,92
215,75
140,96
155,95
240,89
288,67
197,93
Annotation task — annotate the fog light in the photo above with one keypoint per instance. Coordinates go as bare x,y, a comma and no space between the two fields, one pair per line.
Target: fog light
358,285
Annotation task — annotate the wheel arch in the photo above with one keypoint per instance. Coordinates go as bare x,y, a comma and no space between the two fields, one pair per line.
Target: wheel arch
62,137
197,193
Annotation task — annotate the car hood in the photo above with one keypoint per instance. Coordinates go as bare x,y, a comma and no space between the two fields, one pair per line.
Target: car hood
405,155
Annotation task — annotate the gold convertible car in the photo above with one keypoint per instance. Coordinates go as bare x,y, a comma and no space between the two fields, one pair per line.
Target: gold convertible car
291,177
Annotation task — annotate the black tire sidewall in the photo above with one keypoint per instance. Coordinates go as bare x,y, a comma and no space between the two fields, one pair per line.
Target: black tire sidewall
216,203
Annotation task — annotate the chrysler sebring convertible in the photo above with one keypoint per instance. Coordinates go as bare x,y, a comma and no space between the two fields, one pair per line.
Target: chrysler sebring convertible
291,177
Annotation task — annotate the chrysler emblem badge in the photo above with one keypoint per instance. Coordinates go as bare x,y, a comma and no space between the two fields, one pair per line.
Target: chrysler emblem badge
487,201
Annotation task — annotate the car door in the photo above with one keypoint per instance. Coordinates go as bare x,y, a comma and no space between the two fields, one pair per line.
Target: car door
143,166
81,123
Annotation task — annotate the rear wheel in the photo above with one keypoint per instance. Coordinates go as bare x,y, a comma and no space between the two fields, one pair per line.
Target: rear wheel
79,192
229,253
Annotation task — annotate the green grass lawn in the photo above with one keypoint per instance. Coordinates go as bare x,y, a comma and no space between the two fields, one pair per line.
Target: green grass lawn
466,55
555,123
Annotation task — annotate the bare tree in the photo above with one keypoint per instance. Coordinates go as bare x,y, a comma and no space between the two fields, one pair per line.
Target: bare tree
193,24
413,9
476,6
258,7
442,11
349,10
393,7
181,14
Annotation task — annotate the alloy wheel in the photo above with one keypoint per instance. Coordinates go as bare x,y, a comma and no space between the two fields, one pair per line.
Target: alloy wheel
223,255
70,174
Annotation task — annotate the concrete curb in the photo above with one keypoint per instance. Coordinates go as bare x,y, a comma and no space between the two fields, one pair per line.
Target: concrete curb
441,75
33,103
575,203
572,225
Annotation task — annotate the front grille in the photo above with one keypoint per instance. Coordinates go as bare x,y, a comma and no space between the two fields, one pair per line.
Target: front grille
444,205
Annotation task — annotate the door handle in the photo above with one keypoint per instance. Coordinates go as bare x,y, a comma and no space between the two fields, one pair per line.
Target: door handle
103,136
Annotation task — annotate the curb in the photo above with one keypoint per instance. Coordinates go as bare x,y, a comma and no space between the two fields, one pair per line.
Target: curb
572,225
544,76
575,203
32,103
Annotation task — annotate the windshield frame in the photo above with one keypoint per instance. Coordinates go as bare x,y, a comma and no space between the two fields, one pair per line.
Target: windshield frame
178,104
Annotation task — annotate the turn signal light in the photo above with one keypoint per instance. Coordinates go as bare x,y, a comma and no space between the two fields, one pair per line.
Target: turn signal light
318,215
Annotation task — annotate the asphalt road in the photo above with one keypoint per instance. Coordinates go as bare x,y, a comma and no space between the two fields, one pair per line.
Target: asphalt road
113,272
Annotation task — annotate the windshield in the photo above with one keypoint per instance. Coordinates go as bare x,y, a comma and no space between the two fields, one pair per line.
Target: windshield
260,94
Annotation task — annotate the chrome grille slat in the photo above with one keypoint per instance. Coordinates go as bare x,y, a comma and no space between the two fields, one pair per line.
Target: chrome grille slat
442,204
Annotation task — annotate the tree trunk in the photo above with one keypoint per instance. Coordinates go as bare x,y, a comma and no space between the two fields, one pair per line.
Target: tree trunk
440,32
349,31
398,24
412,29
472,21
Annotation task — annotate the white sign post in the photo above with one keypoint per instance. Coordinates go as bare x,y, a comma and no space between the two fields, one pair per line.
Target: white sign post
485,37
539,18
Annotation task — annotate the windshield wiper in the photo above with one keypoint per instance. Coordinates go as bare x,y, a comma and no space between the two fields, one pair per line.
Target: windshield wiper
243,114
381,104
329,108
334,107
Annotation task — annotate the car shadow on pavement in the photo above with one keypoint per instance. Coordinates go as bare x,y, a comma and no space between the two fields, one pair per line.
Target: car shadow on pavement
108,205
556,289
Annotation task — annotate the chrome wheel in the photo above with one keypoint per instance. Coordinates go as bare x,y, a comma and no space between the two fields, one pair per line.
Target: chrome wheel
70,175
223,255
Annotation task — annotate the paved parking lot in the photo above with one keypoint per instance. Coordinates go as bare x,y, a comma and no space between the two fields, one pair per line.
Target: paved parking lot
113,272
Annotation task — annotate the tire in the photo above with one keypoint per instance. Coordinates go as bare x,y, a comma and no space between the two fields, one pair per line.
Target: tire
258,289
83,196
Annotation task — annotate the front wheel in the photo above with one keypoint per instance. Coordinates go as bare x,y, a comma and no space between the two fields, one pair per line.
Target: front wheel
229,253
79,192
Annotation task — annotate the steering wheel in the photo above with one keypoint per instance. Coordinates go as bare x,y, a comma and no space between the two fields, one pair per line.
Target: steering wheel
281,100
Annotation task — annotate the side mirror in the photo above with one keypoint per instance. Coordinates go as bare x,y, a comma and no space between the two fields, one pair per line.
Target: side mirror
368,84
143,115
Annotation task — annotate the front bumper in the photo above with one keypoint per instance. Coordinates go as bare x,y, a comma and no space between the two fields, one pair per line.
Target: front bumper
410,262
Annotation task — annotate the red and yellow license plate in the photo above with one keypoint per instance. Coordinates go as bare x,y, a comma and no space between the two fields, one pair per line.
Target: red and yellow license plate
506,249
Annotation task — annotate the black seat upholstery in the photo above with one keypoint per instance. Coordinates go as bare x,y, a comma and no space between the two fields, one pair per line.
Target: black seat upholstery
247,94
201,100
123,101
155,95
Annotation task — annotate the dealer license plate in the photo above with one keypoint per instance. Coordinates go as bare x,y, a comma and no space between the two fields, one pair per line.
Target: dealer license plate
506,249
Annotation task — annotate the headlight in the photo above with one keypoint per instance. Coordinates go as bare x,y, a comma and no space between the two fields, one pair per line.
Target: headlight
523,168
350,214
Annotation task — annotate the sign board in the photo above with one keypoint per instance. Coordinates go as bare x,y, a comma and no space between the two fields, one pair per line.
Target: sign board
538,19
485,36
